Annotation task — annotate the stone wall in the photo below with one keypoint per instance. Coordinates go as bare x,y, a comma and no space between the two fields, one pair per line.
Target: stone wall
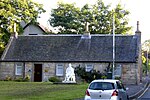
29,70
130,71
101,67
7,70
48,70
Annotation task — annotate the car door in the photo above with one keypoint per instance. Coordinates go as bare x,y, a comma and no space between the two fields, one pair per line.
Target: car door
122,91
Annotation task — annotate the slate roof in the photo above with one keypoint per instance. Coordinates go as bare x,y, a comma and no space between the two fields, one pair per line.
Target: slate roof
72,48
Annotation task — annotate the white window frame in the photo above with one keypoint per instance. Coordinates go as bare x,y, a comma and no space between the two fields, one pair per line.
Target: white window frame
18,69
88,67
59,70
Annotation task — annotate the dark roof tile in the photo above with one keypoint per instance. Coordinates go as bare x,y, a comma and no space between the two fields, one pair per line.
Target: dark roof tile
72,48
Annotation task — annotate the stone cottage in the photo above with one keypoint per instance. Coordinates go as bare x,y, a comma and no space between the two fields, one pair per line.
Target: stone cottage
44,56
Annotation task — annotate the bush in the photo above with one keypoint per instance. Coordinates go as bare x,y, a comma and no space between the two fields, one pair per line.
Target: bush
7,78
54,79
27,78
117,77
104,77
87,76
20,79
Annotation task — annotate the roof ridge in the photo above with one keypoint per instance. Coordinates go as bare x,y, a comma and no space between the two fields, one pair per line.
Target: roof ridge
74,35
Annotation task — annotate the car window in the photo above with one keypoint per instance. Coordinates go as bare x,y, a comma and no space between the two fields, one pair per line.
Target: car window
102,86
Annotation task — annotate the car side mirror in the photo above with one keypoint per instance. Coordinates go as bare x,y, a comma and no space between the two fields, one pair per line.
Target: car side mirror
126,88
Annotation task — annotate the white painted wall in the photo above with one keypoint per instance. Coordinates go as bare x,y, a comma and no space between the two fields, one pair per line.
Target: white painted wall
32,29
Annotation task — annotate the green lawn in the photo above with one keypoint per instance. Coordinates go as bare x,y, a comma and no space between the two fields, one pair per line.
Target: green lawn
40,91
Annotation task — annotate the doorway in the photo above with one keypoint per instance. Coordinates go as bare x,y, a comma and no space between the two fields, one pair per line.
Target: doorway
37,72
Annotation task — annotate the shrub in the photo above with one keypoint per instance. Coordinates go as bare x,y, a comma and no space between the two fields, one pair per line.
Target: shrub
18,79
117,77
54,79
87,76
7,78
104,77
27,78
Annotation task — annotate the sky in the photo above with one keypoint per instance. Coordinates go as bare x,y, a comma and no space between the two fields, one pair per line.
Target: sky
139,10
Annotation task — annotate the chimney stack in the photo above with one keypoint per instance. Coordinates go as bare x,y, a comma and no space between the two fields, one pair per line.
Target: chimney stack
87,29
86,35
15,32
137,30
139,53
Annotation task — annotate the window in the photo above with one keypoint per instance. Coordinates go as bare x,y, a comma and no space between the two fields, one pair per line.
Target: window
88,67
102,86
59,70
19,69
118,70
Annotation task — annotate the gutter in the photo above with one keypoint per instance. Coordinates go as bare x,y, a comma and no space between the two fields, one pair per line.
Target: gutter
15,60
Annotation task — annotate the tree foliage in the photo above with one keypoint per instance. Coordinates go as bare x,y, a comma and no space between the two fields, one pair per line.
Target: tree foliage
146,48
15,11
71,19
146,45
146,56
65,16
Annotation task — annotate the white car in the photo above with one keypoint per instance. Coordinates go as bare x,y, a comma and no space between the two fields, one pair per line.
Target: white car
106,90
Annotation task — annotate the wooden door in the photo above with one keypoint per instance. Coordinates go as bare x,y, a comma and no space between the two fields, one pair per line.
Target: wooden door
37,72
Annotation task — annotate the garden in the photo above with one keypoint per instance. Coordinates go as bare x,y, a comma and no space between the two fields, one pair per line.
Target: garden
10,90
22,89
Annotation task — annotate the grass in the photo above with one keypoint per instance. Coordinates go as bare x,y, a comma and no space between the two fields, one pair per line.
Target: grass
40,91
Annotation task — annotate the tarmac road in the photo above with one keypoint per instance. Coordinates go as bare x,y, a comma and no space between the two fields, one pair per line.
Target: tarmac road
145,95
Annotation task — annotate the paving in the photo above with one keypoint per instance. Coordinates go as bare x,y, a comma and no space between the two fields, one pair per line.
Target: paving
135,91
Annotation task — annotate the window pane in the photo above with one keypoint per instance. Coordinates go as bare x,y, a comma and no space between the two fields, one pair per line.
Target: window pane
18,70
59,70
102,86
89,67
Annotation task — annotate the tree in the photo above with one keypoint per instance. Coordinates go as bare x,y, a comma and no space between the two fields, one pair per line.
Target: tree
121,20
146,56
15,11
66,18
72,19
102,18
146,48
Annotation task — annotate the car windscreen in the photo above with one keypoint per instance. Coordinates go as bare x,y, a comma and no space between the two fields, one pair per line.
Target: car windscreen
102,86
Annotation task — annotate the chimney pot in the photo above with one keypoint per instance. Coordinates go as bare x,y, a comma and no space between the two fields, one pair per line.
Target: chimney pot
137,30
15,32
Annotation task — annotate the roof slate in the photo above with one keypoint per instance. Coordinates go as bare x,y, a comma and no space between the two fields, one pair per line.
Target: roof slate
71,48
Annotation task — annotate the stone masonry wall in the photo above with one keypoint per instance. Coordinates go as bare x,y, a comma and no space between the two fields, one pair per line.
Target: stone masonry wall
48,71
29,70
7,70
129,73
